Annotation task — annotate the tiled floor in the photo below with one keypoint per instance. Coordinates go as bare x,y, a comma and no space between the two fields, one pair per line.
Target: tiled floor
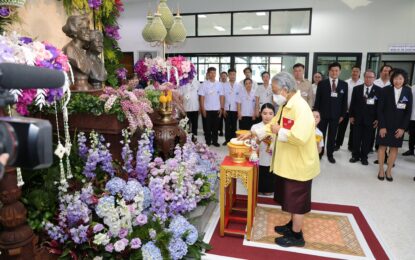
388,206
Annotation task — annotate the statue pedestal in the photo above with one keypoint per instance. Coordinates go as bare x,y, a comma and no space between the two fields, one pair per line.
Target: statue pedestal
167,134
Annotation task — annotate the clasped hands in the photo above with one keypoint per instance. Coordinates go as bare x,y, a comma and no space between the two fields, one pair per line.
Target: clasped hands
398,133
274,129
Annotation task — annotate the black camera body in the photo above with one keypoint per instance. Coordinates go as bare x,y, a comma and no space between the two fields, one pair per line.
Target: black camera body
28,141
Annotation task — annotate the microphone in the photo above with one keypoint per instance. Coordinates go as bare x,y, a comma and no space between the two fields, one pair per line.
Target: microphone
20,76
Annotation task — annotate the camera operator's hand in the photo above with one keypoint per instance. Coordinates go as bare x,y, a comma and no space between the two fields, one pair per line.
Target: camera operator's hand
3,162
4,158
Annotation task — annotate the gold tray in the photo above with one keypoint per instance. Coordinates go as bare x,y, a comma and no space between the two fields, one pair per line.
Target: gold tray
238,152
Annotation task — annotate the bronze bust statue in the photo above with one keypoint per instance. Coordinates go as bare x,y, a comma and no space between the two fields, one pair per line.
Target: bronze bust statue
98,74
77,28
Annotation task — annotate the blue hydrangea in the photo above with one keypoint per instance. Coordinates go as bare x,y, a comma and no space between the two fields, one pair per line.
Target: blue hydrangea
115,185
151,252
147,198
177,249
131,189
192,235
104,204
79,235
179,225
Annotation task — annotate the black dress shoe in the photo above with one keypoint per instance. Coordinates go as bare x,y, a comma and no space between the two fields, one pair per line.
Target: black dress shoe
225,143
290,239
381,178
353,160
331,159
216,145
390,179
282,230
365,162
408,153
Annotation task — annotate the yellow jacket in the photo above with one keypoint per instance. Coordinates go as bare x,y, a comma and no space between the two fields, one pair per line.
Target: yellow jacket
295,155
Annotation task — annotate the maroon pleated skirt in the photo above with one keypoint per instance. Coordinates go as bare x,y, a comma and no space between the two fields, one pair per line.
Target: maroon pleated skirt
293,196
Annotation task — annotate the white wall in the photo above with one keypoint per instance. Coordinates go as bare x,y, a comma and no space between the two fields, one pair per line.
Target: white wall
336,26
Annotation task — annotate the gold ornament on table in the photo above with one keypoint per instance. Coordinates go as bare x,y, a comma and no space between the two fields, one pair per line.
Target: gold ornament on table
166,109
239,150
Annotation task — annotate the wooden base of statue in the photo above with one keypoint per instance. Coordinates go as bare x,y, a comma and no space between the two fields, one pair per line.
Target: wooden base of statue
167,134
17,240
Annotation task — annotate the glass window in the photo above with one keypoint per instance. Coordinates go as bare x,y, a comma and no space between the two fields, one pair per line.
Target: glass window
189,22
214,24
290,22
347,61
250,23
289,61
275,59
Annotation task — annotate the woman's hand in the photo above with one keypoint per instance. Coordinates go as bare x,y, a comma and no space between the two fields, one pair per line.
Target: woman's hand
245,136
382,132
399,133
275,128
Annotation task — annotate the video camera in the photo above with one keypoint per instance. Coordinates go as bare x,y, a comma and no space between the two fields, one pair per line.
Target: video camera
28,141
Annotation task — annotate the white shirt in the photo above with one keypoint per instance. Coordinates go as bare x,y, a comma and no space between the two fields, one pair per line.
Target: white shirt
379,82
397,94
264,156
350,85
264,94
212,92
254,84
331,82
413,104
314,86
230,95
190,96
319,133
247,101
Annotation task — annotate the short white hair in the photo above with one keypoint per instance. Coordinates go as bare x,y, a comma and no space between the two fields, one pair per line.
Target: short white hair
285,80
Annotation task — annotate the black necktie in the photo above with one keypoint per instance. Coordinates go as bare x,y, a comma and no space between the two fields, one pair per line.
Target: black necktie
333,86
367,92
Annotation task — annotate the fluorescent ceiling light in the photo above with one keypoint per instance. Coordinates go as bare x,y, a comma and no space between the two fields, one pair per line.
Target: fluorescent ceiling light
247,28
219,28
201,16
261,13
265,27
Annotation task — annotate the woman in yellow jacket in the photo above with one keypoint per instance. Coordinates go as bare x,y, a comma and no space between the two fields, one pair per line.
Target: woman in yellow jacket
295,160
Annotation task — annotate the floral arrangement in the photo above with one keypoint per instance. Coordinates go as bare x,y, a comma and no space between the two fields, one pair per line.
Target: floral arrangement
177,70
134,104
24,50
105,14
132,211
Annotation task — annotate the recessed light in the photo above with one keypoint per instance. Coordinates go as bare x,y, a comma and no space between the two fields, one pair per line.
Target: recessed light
247,28
261,13
219,28
201,16
265,27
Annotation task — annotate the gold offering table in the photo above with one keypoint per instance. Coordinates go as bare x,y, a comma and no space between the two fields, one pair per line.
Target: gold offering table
247,172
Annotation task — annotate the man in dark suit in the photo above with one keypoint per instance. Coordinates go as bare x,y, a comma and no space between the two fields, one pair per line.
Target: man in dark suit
331,102
363,116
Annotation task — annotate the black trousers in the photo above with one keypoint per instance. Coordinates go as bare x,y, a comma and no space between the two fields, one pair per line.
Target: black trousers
246,123
342,131
362,139
211,127
193,121
230,125
411,131
332,125
220,124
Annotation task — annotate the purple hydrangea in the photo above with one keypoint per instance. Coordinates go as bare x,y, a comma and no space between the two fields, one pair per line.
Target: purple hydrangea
158,203
95,4
91,164
112,32
56,233
177,249
121,73
79,234
151,251
115,185
77,211
147,198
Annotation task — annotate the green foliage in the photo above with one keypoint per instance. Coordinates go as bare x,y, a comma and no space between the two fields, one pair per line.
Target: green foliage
196,251
153,96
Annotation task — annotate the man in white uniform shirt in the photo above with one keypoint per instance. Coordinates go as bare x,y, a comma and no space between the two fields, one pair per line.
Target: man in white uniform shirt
411,128
248,74
223,78
230,114
303,84
263,93
383,80
210,106
351,83
189,93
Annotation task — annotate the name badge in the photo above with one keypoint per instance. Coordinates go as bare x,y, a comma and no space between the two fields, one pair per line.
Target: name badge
401,105
304,94
370,101
334,94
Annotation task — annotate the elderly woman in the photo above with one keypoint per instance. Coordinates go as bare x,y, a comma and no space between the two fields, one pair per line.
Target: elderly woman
295,160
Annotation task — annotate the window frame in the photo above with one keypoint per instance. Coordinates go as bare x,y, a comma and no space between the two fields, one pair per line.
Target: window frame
250,11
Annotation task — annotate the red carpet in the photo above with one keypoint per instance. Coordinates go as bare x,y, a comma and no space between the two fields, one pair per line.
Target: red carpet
233,247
